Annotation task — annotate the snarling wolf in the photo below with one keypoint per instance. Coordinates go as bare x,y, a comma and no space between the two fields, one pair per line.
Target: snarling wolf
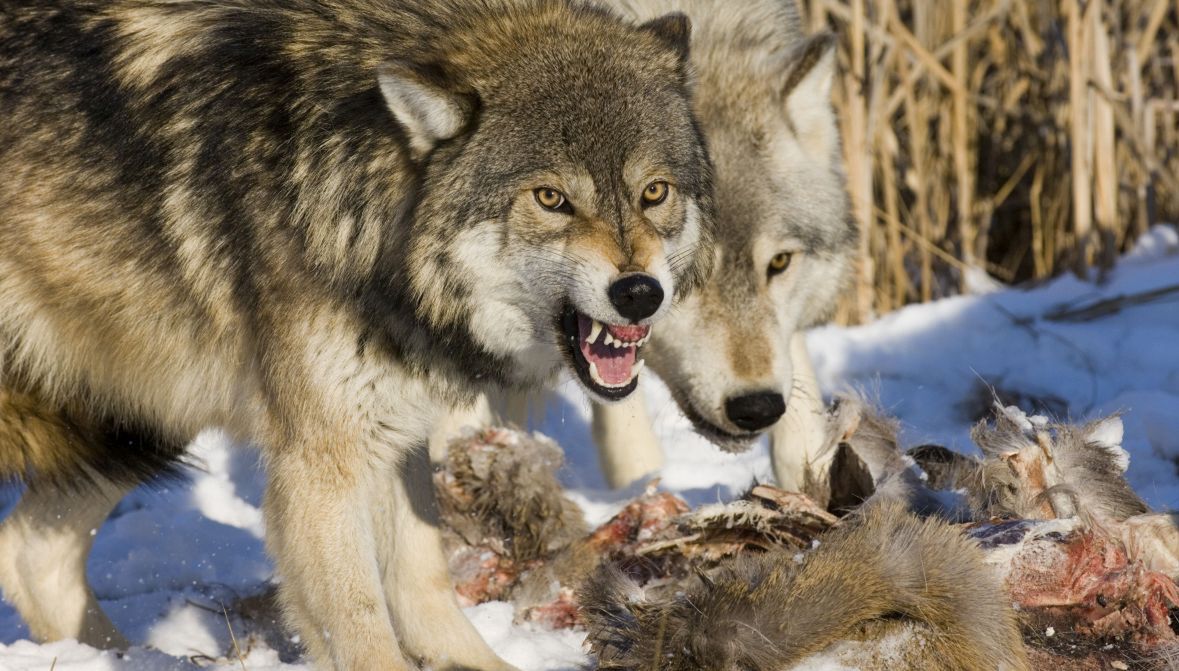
732,354
319,224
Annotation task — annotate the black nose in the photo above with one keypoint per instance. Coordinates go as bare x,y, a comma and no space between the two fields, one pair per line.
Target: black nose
636,296
754,412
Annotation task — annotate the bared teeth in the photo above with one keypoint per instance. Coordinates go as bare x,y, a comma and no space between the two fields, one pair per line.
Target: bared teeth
637,368
597,329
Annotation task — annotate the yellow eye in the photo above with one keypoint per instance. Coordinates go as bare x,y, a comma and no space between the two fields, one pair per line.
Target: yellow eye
551,199
779,263
655,193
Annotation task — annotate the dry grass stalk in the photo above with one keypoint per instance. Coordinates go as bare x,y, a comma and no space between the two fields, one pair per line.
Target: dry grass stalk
1023,138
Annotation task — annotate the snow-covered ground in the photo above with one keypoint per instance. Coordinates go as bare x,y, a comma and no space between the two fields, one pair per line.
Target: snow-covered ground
169,559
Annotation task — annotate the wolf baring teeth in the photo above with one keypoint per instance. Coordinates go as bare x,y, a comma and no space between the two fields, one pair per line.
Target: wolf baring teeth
319,225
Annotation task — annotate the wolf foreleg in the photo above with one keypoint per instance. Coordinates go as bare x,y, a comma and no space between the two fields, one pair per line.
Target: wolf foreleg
45,540
418,588
796,441
323,543
627,446
474,416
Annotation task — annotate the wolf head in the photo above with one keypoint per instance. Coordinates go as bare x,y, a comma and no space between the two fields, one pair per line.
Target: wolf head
566,194
784,237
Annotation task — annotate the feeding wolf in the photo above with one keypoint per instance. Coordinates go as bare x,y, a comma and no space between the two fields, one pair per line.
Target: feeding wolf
318,225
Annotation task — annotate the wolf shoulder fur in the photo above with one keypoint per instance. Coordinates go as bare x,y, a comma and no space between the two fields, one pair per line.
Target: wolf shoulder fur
318,225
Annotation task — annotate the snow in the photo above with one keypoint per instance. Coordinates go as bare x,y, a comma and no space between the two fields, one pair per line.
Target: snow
925,363
173,555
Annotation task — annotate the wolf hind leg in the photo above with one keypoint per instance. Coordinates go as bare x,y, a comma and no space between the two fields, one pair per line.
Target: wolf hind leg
78,462
416,579
44,544
797,440
45,540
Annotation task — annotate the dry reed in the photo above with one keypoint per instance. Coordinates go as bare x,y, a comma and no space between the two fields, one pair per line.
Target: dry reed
1021,138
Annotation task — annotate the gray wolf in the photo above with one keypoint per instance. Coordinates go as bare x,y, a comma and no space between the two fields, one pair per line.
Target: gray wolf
732,353
319,225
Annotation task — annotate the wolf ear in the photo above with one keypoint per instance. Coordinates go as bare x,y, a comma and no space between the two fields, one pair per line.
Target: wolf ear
674,30
806,92
427,112
810,69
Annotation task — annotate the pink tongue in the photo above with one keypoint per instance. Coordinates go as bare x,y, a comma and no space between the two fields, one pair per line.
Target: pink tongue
614,364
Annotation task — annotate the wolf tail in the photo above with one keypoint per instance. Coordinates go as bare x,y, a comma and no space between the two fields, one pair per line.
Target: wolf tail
884,570
71,447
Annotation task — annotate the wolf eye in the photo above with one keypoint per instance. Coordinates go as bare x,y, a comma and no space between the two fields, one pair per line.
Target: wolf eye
779,263
553,200
655,193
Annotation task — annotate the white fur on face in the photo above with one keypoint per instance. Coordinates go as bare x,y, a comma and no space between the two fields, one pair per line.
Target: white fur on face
693,358
511,314
691,352
681,250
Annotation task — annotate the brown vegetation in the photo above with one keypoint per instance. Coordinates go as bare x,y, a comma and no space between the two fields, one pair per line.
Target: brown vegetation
1020,137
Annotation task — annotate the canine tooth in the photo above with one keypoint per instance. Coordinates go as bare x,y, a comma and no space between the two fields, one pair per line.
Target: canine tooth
637,368
593,370
595,331
609,339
